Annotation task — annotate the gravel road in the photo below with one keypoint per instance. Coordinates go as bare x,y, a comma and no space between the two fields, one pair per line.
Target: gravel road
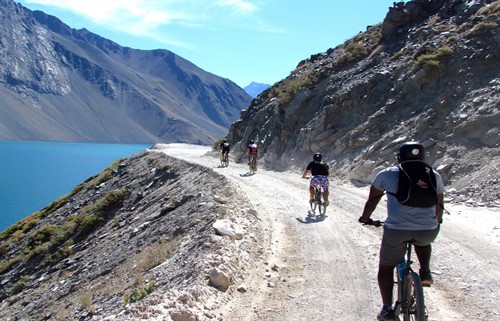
325,269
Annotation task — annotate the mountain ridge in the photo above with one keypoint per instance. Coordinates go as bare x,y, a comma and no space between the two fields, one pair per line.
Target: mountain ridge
254,88
116,94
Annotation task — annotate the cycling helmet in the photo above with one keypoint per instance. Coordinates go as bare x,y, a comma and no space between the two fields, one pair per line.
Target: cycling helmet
410,151
317,157
224,141
252,142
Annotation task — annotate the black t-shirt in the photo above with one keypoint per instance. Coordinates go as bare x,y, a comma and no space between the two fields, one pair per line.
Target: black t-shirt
225,146
318,168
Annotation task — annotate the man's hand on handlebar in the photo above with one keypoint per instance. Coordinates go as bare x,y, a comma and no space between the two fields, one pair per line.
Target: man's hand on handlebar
370,222
365,221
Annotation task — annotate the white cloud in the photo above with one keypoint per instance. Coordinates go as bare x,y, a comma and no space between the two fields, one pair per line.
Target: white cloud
150,18
240,6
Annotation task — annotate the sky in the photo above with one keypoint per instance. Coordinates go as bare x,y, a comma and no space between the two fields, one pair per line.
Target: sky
243,40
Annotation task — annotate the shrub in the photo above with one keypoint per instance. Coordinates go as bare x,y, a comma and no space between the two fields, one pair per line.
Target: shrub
216,144
432,60
139,292
19,286
481,28
286,91
155,255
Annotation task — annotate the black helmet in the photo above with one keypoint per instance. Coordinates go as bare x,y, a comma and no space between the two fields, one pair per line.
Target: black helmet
410,151
224,140
252,142
317,157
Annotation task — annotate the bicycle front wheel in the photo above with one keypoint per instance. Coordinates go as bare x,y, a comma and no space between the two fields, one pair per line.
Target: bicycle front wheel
413,305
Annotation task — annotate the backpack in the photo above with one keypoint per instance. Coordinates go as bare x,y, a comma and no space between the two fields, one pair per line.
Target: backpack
416,184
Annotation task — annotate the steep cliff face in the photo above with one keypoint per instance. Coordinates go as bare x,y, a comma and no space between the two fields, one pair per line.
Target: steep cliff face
429,72
59,83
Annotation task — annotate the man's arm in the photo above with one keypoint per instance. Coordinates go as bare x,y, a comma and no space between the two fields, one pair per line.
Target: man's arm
370,205
440,208
304,175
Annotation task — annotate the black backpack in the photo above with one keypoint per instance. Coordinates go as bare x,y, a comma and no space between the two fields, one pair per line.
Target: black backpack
416,184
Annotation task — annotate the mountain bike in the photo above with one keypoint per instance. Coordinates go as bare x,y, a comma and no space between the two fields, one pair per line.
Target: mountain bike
252,164
410,305
224,160
318,201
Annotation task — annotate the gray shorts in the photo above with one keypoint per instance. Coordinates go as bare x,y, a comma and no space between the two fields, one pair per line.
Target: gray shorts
393,246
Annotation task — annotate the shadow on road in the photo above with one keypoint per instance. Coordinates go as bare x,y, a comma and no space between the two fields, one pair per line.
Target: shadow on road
311,218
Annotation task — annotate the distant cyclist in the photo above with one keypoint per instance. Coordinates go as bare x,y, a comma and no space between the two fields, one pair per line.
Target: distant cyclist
225,148
251,151
320,172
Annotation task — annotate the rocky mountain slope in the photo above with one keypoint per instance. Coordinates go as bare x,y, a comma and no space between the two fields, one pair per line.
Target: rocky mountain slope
143,227
62,84
429,72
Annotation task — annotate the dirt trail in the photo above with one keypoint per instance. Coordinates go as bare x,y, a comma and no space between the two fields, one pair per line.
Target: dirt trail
326,269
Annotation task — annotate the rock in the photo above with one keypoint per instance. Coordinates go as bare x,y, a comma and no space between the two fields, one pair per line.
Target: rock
219,279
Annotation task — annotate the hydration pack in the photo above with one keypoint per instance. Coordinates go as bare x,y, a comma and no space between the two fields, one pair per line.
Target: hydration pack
416,184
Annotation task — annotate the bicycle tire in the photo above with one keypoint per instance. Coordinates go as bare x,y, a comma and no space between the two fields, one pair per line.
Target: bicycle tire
321,203
413,305
253,165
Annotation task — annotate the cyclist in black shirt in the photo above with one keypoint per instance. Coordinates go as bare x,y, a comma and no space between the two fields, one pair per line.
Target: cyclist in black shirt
320,172
225,147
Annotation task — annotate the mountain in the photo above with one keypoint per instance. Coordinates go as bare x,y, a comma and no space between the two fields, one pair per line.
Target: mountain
430,72
254,89
153,237
64,84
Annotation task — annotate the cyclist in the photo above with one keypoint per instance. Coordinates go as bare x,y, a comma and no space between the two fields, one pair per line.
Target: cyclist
320,172
251,151
403,223
225,148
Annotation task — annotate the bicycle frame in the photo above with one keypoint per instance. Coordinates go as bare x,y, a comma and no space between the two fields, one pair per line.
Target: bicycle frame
410,303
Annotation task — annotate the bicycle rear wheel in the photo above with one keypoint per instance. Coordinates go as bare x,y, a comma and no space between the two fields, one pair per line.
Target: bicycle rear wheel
253,165
413,305
318,202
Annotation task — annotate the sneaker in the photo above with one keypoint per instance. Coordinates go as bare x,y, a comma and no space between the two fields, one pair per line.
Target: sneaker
386,314
426,277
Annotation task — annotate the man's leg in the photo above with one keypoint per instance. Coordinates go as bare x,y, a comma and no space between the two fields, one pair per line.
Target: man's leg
327,200
386,283
424,255
424,258
423,249
311,192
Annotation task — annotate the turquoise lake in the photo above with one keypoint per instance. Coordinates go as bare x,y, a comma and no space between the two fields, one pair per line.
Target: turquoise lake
34,174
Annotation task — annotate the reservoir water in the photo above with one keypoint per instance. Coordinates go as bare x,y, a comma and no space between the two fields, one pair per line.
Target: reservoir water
34,174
